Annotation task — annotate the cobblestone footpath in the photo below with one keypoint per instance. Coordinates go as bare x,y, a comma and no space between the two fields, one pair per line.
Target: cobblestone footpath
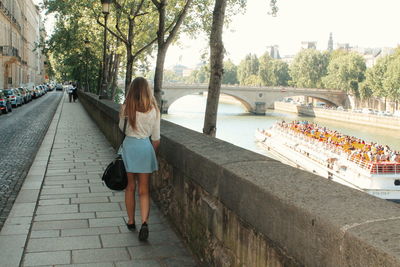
21,133
65,216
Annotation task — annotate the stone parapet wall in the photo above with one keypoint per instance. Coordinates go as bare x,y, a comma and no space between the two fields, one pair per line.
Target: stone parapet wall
238,208
106,115
373,120
284,106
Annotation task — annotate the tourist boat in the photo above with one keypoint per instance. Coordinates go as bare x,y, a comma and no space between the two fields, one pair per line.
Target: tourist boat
318,153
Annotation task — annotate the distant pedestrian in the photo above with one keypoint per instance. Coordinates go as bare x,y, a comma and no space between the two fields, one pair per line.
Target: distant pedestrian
70,92
138,150
74,93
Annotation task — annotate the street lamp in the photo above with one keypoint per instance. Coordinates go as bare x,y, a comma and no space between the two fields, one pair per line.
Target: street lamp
87,44
106,4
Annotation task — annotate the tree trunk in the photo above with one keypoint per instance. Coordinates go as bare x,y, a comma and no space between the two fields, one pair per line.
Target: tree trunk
161,52
100,77
110,64
216,68
114,81
128,74
129,56
158,75
163,44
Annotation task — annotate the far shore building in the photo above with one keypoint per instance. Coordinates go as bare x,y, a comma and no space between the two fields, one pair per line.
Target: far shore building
309,45
273,51
21,63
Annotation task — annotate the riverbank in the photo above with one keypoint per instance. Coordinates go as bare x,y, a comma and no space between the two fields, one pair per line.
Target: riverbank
373,120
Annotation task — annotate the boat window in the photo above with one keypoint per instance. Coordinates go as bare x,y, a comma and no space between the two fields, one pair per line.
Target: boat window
397,182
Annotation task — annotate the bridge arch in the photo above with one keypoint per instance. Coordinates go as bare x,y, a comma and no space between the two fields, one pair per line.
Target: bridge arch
170,97
307,97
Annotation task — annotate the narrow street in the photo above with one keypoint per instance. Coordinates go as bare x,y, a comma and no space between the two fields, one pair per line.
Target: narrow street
21,133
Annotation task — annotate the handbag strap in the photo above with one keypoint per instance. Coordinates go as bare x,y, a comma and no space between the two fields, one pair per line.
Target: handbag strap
125,123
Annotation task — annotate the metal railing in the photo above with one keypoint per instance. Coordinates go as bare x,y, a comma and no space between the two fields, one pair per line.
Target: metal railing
9,51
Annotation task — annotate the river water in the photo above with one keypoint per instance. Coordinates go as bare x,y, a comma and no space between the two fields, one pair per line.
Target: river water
237,126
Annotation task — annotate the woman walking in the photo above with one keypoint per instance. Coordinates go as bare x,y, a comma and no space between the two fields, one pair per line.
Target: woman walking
138,152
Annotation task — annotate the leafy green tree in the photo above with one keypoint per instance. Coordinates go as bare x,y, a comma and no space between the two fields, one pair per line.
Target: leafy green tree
365,90
391,81
230,73
247,67
280,73
308,67
273,72
70,59
201,75
171,77
345,72
170,18
252,80
374,77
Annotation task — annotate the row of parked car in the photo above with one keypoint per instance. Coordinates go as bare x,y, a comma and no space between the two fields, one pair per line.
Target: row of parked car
16,97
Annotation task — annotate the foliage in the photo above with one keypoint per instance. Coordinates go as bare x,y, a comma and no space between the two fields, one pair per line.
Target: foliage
247,67
252,80
201,75
391,81
273,72
308,67
345,72
71,61
119,95
230,73
374,77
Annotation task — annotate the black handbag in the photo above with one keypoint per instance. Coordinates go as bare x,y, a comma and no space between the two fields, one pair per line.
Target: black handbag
114,177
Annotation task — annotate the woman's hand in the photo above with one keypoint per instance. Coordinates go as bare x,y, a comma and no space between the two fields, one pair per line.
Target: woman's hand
155,144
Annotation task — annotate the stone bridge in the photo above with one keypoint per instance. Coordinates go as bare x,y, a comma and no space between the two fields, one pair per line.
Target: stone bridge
255,99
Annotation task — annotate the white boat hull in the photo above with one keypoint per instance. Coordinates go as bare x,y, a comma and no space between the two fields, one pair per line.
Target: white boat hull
289,151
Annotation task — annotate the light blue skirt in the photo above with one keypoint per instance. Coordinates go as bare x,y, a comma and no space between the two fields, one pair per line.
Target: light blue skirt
138,155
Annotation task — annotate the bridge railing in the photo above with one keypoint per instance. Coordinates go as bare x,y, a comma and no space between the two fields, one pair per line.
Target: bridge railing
246,87
238,208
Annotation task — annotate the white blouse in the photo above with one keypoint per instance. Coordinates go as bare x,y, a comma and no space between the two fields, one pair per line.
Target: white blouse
147,124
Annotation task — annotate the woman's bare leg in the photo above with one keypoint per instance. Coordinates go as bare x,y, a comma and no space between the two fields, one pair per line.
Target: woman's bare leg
130,197
144,196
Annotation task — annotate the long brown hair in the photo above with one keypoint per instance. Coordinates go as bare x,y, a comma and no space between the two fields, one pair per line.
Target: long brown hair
139,98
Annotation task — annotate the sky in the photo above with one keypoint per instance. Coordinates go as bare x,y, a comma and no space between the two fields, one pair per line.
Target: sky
362,23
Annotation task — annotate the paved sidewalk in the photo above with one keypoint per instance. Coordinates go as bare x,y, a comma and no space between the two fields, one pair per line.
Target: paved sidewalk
64,216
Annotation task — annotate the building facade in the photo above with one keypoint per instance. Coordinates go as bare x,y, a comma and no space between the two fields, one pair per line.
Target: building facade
21,61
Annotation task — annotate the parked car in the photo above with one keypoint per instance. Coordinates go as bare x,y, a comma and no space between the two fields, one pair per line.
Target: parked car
14,97
25,94
59,87
396,113
18,93
35,92
340,108
50,87
367,111
42,89
387,113
39,90
30,93
5,104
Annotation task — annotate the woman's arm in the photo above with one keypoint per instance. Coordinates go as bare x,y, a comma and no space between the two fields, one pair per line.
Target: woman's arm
155,135
155,144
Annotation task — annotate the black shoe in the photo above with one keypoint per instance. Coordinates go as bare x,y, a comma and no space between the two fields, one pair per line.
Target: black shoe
144,232
131,227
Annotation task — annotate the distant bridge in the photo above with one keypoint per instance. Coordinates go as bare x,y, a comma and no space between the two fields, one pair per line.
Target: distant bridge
256,99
